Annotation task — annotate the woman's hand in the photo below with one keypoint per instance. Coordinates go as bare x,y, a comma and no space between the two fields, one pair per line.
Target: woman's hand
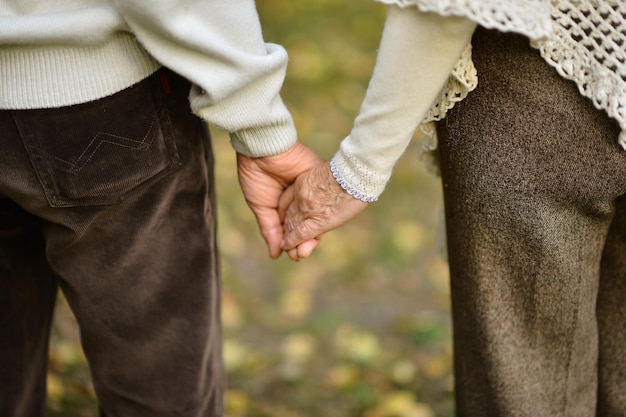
313,205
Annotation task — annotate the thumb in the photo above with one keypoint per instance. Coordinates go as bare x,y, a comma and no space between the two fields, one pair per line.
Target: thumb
303,232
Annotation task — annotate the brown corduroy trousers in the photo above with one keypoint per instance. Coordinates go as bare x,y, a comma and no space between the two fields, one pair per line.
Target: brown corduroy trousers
112,201
534,187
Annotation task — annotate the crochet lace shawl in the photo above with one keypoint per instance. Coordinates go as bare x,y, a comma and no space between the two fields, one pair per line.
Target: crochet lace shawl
584,40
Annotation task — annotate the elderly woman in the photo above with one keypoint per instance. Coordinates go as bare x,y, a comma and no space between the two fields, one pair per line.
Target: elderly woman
530,143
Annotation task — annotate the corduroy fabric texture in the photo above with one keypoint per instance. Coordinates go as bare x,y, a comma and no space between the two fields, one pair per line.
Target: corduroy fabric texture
534,183
114,201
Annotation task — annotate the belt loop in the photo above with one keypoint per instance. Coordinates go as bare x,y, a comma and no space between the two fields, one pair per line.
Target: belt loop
165,84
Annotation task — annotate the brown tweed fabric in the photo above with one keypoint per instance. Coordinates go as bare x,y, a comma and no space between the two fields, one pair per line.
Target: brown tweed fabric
534,185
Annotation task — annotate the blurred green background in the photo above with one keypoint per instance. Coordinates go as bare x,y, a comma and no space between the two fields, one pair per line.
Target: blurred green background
361,328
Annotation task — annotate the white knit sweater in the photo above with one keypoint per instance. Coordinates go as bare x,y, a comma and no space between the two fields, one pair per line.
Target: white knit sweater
59,53
418,76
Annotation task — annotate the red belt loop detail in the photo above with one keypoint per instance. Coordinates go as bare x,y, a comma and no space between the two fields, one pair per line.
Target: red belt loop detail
165,83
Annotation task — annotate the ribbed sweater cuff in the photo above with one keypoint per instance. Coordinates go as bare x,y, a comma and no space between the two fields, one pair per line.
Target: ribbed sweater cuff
45,77
264,141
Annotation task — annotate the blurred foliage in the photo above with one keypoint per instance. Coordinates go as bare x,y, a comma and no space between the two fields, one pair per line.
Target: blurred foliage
361,328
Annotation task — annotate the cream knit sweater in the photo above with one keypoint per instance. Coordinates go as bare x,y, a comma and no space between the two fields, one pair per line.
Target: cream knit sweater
64,52
424,66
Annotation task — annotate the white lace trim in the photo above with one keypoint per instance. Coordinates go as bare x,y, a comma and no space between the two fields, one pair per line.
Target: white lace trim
587,47
583,40
462,80
347,188
528,17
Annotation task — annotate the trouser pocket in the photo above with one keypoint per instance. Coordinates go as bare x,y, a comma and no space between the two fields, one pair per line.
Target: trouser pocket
101,152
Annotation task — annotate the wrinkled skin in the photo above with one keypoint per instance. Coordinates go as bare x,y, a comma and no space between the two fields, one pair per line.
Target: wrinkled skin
263,180
313,205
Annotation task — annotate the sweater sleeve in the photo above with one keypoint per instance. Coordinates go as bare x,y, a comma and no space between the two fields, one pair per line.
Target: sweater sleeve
218,45
417,53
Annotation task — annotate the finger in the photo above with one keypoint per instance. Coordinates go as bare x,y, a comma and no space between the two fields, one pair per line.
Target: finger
285,200
293,254
305,231
306,248
273,238
271,230
292,219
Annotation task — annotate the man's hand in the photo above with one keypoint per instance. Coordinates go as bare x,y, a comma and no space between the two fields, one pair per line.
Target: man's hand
315,204
263,181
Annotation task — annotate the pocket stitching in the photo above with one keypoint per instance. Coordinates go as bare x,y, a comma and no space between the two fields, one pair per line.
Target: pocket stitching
141,145
79,164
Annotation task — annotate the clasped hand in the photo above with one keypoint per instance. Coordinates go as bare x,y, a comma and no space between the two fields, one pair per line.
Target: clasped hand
295,200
